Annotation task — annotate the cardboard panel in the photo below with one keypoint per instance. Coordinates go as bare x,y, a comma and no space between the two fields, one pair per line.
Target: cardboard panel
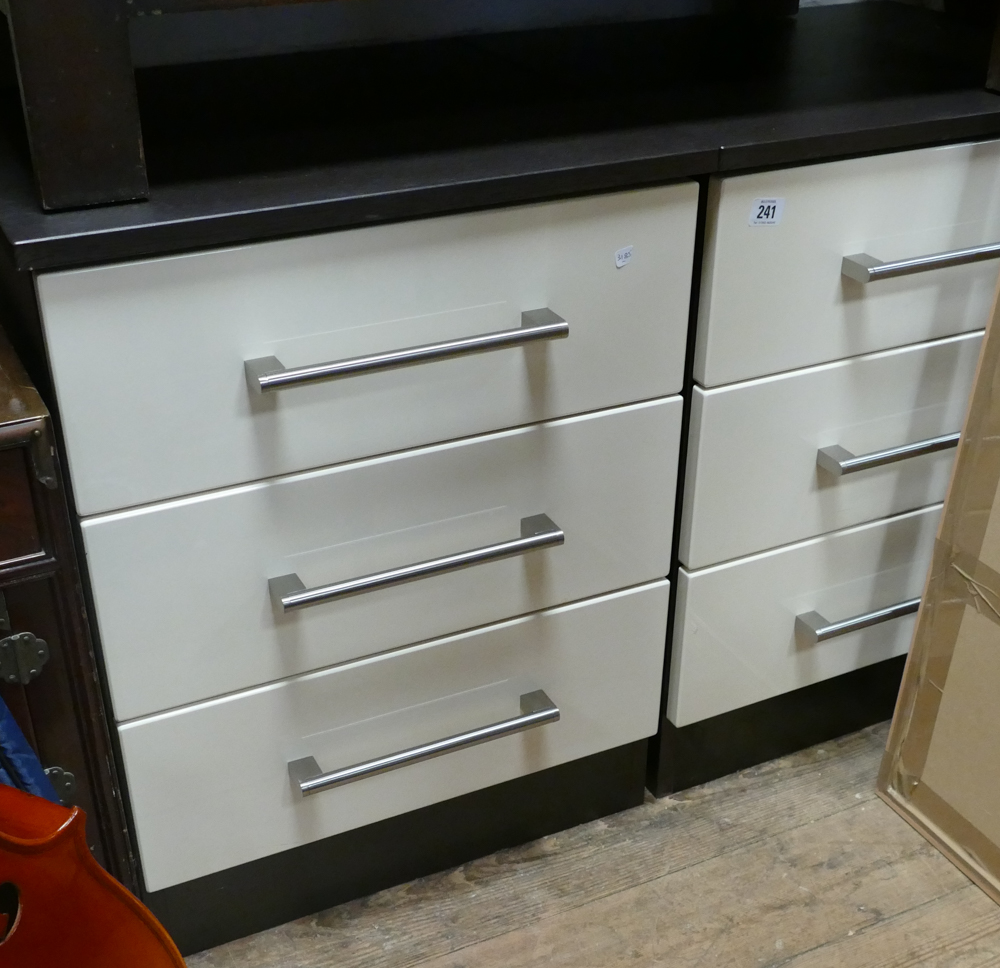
941,770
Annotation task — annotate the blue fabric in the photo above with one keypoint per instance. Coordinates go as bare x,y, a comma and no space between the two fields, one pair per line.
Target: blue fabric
19,767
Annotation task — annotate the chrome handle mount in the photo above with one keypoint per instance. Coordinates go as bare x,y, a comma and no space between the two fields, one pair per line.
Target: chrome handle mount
538,531
838,461
866,268
814,628
536,710
267,374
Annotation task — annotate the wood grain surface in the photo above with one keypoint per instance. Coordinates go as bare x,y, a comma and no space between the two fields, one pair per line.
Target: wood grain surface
82,117
18,526
794,863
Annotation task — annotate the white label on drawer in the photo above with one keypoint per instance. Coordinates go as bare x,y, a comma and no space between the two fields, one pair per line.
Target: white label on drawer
766,211
623,257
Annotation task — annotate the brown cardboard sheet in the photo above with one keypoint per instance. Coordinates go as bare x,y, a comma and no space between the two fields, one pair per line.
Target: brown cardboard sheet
941,769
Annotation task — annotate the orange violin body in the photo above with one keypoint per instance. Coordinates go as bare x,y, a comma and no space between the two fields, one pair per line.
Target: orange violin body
58,907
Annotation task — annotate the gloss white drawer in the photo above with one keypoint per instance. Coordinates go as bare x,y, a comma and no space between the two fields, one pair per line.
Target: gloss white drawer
181,589
209,784
755,479
738,638
774,296
148,357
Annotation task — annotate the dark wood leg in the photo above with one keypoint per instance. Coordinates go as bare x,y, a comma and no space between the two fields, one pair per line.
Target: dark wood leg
80,106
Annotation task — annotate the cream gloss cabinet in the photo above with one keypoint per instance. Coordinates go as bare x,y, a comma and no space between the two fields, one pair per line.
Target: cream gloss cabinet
375,518
840,317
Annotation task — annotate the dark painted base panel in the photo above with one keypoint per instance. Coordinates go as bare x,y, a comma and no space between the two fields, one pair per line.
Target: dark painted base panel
694,754
243,900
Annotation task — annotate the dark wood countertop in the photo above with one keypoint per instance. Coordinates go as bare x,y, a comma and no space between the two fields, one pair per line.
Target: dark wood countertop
261,149
19,400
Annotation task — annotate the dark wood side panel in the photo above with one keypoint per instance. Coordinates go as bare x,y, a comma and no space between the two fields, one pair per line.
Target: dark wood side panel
78,92
243,900
682,758
19,537
63,707
70,695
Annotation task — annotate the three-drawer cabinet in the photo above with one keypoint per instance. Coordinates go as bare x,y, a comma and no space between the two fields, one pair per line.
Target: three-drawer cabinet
378,518
840,318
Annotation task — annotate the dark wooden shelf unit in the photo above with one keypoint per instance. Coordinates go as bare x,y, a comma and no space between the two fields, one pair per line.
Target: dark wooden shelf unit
86,125
60,709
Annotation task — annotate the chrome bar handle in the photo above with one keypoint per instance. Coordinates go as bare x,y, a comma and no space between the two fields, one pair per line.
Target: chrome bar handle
866,268
536,710
838,461
538,531
814,628
267,373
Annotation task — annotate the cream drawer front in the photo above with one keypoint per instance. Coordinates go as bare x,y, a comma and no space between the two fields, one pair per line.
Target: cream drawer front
148,357
735,638
181,589
753,479
209,784
773,296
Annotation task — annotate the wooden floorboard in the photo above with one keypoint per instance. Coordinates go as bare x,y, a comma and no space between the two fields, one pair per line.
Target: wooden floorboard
792,863
959,930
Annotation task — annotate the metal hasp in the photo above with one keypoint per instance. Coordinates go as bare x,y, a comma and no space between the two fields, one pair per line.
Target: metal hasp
22,656
267,373
838,461
537,532
43,456
866,268
536,710
814,628
63,782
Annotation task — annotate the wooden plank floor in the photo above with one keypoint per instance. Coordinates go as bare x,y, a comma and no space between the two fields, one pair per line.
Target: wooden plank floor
794,863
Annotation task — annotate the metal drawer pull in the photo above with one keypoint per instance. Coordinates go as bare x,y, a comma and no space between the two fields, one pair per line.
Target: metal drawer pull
536,710
866,268
267,373
538,531
839,461
814,628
